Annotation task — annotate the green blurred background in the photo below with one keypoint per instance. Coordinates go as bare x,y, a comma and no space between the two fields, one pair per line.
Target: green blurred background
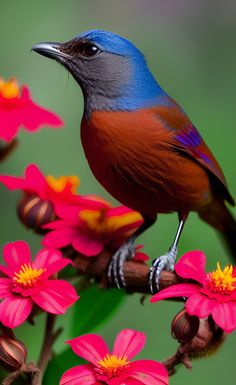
190,47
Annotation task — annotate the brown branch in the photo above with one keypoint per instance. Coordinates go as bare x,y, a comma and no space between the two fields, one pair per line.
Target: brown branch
135,272
46,351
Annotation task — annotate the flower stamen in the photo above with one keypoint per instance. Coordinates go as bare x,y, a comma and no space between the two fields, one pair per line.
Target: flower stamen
9,89
59,184
27,276
111,365
222,281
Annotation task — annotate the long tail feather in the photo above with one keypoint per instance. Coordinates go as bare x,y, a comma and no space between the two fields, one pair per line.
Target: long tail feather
219,216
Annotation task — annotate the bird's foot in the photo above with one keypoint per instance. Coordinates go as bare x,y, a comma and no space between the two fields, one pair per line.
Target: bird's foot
116,268
165,262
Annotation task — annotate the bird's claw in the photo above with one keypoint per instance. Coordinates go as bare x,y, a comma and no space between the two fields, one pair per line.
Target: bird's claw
165,262
116,268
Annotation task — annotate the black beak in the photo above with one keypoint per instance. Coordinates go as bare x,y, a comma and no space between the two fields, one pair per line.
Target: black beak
51,50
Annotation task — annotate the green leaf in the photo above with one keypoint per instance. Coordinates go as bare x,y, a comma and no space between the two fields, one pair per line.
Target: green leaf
94,307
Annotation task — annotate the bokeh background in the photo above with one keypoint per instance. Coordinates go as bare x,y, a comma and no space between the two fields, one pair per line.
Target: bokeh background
190,47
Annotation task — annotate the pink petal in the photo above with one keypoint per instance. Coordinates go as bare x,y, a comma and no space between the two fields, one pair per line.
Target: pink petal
69,213
16,254
51,260
10,121
56,296
14,310
129,343
149,372
56,225
179,290
224,315
90,347
46,257
118,211
12,182
132,381
59,238
200,305
87,245
6,270
5,287
79,375
34,116
35,180
192,266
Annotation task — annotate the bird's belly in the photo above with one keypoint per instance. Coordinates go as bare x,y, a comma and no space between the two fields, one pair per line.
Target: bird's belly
149,195
146,178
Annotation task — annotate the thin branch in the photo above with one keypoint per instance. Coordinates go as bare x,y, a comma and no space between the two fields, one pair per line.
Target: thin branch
46,351
135,272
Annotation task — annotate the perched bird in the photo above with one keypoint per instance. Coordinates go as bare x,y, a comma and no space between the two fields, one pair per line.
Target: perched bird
140,144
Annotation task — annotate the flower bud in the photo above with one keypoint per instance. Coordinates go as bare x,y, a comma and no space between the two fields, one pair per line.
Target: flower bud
184,326
207,341
35,212
13,353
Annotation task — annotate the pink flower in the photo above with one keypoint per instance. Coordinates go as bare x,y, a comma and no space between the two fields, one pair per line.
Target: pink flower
59,191
212,294
140,256
90,230
31,282
18,109
113,368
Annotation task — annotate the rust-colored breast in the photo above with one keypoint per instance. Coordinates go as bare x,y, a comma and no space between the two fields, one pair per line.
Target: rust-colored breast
132,154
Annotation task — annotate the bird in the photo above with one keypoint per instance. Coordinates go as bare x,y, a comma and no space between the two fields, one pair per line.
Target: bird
141,145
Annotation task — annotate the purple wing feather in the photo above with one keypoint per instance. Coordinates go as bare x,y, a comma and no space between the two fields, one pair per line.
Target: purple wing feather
190,141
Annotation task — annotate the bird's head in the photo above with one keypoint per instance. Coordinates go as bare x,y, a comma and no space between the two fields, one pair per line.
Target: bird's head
111,71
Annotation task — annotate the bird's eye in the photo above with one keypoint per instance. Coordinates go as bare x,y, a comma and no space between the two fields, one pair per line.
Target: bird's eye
88,49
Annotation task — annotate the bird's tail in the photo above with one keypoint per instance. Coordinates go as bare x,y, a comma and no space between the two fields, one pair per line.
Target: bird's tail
219,216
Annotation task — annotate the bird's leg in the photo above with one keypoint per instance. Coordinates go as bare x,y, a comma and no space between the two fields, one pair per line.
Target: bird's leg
126,252
167,261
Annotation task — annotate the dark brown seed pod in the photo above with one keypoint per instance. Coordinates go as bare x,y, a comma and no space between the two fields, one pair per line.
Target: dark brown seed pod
184,326
35,212
13,353
207,341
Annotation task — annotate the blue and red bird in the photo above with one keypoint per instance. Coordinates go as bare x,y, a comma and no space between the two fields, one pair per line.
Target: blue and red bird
140,144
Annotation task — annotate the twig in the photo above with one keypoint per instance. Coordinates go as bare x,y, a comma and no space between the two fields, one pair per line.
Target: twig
135,272
46,351
11,377
180,357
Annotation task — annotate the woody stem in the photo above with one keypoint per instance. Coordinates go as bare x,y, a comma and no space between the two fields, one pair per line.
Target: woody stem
46,351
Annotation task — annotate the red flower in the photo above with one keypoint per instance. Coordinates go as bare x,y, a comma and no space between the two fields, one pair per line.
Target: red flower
89,230
59,191
30,283
113,368
18,109
213,294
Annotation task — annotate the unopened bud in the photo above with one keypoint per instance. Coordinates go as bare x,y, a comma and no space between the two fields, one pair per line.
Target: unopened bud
13,353
207,341
184,326
35,212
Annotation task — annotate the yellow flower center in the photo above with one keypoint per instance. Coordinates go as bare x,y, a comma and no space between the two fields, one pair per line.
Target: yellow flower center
222,281
98,221
27,276
111,365
59,184
9,89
